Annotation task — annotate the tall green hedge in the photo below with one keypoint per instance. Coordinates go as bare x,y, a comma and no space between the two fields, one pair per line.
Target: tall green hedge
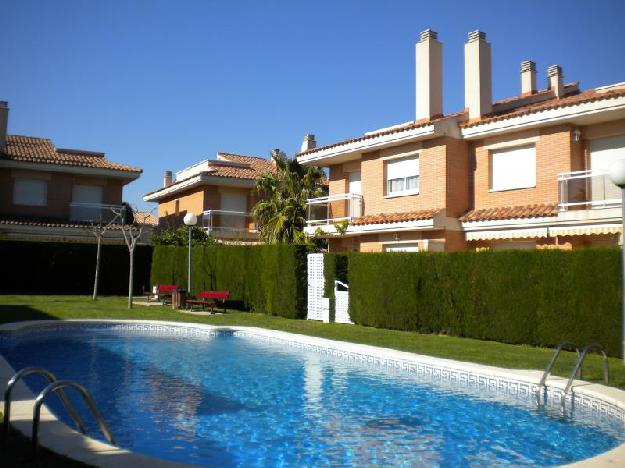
532,297
270,279
68,268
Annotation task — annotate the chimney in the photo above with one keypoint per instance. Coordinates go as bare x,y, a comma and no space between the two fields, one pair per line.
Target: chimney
308,143
528,78
477,75
4,122
556,80
167,179
429,75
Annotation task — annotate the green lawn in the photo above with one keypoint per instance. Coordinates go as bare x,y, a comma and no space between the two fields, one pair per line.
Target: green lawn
15,308
19,308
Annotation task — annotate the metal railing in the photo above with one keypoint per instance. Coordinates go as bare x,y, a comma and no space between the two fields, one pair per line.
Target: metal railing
229,224
587,189
334,208
552,362
96,212
578,365
51,378
58,386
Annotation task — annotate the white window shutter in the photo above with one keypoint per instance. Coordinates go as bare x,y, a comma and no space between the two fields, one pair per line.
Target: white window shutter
513,168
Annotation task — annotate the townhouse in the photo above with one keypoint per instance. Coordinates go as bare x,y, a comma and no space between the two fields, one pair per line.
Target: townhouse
529,171
220,192
55,193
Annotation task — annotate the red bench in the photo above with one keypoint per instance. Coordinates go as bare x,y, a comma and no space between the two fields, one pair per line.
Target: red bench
209,298
163,292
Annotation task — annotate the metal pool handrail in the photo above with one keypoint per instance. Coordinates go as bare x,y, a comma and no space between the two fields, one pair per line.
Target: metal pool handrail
51,378
578,365
552,362
59,385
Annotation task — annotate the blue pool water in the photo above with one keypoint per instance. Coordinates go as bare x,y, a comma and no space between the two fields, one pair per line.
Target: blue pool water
239,401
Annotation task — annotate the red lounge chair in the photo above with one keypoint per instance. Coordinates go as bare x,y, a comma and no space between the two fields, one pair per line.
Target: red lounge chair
209,298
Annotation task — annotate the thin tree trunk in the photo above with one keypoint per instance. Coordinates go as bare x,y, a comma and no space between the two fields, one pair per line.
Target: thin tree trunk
97,269
132,265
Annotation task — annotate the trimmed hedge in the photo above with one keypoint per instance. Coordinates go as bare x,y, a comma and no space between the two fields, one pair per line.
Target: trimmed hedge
69,268
531,297
270,279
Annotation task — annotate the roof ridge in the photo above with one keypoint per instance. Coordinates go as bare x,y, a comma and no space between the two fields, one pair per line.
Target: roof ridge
241,155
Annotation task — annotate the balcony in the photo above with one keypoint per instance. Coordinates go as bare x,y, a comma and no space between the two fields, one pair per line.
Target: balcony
334,208
233,225
93,212
587,189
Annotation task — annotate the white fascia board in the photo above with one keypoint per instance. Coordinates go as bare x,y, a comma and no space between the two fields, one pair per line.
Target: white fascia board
328,229
542,118
199,180
325,157
87,171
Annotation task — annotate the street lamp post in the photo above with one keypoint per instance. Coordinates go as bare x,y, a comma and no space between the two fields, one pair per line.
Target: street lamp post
617,175
190,220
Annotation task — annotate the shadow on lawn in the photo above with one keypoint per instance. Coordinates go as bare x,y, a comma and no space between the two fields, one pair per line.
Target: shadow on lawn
21,313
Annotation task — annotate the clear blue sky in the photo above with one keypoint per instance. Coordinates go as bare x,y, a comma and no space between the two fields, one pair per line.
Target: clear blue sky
163,84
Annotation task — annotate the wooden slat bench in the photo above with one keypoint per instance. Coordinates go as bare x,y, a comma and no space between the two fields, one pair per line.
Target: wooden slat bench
209,298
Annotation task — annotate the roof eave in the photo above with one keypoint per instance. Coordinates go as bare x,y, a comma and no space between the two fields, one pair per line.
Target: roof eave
578,114
350,151
71,169
197,181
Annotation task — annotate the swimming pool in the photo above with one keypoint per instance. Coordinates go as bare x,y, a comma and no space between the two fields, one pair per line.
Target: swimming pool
236,398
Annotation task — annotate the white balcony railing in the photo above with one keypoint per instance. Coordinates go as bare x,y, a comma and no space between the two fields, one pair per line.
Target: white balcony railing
229,224
587,189
93,212
334,208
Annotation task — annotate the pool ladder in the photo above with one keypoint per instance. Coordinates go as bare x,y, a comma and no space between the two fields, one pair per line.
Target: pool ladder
54,385
577,369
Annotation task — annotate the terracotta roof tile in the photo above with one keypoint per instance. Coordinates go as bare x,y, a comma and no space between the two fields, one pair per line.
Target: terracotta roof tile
42,151
255,166
389,131
511,212
50,223
554,103
388,218
146,217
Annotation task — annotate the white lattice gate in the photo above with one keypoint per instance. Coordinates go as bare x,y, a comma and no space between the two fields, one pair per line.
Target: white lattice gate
315,286
341,303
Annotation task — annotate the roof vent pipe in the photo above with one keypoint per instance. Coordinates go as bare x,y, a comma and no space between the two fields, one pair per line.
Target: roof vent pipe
556,80
4,122
477,75
429,75
167,179
308,143
528,77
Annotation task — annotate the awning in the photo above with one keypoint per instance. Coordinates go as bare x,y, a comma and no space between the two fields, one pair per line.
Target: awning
585,230
508,234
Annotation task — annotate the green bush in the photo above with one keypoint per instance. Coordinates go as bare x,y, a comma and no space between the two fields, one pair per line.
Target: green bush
69,268
270,279
531,297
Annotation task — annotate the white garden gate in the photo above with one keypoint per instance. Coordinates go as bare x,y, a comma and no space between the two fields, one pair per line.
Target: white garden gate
315,286
319,306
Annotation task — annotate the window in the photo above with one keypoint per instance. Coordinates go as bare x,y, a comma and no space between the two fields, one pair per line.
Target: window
402,176
399,247
30,192
86,194
513,168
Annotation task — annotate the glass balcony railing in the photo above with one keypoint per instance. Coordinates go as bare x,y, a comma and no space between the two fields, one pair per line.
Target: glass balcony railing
93,212
224,224
334,208
587,189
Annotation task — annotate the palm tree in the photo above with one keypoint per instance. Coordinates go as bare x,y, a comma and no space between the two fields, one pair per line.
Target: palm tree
281,213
